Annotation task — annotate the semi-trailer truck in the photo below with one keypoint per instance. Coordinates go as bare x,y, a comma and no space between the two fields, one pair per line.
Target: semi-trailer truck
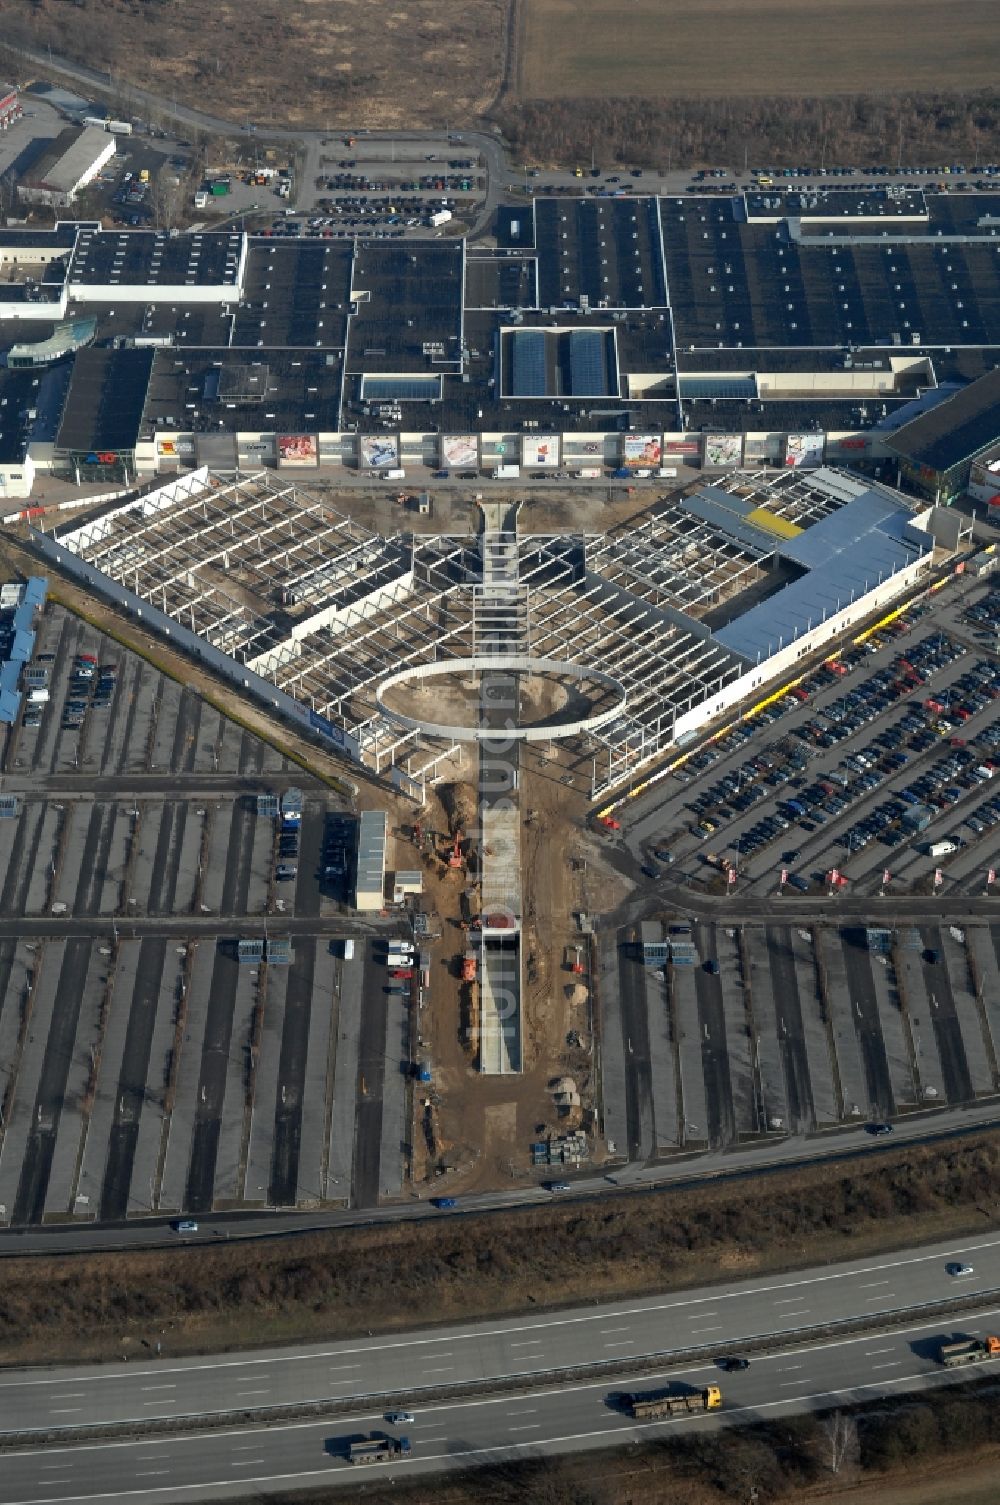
506,472
968,1351
652,1405
379,1449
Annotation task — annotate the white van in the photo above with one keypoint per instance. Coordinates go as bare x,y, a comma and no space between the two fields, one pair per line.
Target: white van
38,697
667,472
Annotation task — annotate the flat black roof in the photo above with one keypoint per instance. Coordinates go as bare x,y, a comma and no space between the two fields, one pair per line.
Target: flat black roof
294,294
408,295
227,389
157,259
954,431
105,401
606,250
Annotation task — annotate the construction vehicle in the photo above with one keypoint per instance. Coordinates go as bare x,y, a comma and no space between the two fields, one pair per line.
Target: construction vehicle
652,1405
469,967
968,1351
610,824
455,856
379,1449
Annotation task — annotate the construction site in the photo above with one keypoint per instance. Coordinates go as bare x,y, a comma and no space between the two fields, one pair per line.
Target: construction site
499,678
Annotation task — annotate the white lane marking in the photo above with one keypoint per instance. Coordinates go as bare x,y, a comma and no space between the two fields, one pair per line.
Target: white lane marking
616,1329
622,1343
528,1343
717,1328
159,1387
265,1391
153,1473
532,1412
887,1296
789,1301
336,1368
784,1384
788,1368
533,1426
71,1395
873,1283
168,1400
893,1365
445,1369
377,1416
68,1411
675,1305
871,1352
247,1462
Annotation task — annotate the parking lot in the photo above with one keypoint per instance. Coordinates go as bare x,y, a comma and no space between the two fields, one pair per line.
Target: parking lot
750,1032
145,1066
881,760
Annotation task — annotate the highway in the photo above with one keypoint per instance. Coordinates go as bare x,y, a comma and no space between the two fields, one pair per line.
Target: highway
821,1370
475,1355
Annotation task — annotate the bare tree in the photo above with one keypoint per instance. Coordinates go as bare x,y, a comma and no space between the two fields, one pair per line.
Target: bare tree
840,1433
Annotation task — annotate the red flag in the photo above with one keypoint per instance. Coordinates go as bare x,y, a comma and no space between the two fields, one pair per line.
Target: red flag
886,877
784,875
834,875
731,877
938,877
991,876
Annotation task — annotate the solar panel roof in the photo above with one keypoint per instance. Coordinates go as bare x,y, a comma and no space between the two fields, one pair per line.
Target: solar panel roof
528,363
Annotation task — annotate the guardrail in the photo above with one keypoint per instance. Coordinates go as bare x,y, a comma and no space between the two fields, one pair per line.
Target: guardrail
335,1407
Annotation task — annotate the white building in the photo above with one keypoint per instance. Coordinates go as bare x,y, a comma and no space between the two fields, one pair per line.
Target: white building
72,161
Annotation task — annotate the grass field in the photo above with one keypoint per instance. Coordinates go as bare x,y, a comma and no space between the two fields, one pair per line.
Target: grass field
696,48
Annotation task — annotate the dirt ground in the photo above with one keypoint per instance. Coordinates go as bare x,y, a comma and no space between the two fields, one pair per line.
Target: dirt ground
304,61
482,1125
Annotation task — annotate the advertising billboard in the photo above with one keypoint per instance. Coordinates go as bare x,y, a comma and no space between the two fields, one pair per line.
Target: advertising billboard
723,450
460,451
641,451
803,449
540,450
297,449
761,449
682,449
379,451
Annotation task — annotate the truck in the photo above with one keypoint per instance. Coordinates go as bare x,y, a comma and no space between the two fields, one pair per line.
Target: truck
968,1351
591,473
469,967
348,950
219,189
506,472
653,1405
941,848
394,475
379,1449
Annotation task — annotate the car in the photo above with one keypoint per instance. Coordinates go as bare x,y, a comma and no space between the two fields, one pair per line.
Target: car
558,1186
733,1365
284,871
956,1267
878,1129
712,967
185,1225
400,1418
443,1203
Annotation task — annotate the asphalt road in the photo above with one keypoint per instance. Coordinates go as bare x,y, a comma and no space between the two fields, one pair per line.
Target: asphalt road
818,1371
477,1354
694,1169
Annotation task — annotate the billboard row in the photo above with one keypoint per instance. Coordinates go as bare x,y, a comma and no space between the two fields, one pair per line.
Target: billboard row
723,450
540,450
460,451
379,451
642,451
297,449
804,449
